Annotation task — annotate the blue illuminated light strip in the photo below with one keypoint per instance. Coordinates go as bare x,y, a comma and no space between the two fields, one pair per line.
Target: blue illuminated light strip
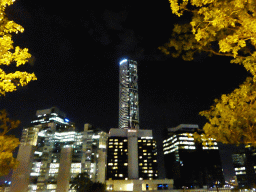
121,62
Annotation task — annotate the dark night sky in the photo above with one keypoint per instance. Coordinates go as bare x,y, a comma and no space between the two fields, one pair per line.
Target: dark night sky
77,47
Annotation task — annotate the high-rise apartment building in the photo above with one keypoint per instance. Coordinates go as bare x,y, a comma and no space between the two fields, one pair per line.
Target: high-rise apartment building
52,153
132,162
190,163
128,94
131,155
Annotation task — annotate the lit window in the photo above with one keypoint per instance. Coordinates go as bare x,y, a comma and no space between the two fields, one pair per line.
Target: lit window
144,150
125,164
110,146
239,168
53,170
121,175
240,172
51,186
145,160
148,144
139,140
110,164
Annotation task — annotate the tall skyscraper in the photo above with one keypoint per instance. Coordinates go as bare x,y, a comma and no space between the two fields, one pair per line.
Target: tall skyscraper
128,95
131,152
190,163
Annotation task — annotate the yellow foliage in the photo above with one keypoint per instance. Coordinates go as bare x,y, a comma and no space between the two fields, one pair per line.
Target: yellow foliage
232,117
10,54
8,144
232,25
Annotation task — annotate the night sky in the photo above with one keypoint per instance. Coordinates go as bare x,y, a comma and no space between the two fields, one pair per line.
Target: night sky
76,47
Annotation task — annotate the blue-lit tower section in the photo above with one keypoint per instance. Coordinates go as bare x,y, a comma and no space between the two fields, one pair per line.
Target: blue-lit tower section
128,95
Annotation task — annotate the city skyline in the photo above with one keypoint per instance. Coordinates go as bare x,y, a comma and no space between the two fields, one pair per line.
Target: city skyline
83,80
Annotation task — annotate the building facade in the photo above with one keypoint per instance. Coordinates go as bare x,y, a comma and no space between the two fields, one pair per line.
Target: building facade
52,153
128,94
190,163
131,155
244,163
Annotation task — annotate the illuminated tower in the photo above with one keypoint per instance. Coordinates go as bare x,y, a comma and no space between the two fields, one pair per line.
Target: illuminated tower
128,95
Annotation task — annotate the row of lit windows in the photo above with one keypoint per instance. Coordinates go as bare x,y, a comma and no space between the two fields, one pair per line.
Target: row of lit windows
111,146
240,172
125,140
114,164
210,148
240,168
115,143
144,141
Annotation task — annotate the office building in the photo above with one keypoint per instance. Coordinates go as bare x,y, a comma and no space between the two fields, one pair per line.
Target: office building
244,163
52,153
190,163
128,94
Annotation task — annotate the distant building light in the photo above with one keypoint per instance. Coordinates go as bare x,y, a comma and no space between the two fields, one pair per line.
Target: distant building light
66,120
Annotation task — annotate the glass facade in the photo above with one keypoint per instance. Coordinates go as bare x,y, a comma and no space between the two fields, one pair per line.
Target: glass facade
128,94
244,163
190,163
50,134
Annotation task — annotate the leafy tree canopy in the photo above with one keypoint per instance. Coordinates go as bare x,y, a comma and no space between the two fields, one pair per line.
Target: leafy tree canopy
83,183
10,54
8,144
225,28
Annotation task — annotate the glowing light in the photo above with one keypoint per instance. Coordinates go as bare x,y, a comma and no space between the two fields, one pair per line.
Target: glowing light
121,62
66,120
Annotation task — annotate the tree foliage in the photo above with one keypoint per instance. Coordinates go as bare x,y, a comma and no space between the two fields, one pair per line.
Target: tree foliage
83,183
225,28
8,83
10,54
8,143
